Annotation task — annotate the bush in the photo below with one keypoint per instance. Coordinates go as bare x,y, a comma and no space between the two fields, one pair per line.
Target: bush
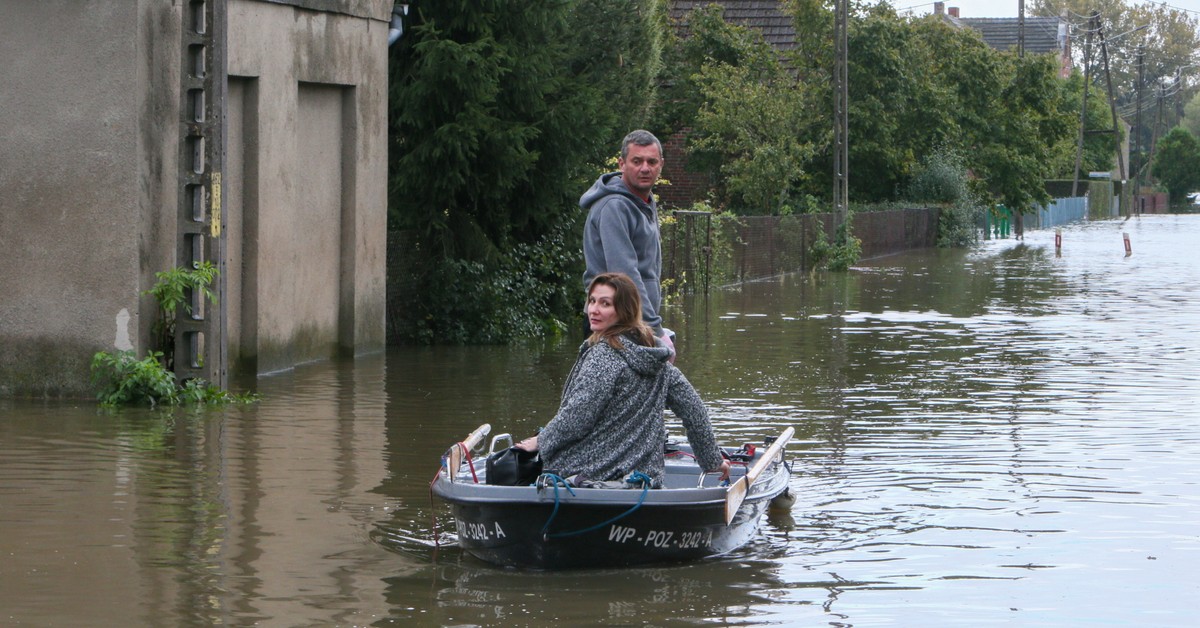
532,290
942,181
837,256
125,380
941,178
957,224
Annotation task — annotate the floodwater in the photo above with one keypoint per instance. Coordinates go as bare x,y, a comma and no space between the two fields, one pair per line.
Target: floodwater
997,436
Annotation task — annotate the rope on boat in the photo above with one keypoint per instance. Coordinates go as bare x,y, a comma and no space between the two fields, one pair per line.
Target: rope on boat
635,477
437,537
470,464
555,480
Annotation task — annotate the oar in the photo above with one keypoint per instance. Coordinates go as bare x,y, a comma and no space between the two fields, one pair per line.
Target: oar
737,491
454,460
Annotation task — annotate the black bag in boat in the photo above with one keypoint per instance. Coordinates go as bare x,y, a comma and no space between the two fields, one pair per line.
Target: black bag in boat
513,467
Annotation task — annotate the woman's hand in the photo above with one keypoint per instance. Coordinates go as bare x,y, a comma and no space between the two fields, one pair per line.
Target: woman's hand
531,444
724,470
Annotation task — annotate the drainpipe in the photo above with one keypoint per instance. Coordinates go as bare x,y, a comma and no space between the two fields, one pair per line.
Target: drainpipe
396,26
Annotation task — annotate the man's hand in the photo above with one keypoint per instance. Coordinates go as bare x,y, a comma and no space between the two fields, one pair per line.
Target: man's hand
670,344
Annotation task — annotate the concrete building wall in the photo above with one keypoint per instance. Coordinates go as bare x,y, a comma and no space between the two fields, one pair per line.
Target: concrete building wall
74,182
89,181
311,139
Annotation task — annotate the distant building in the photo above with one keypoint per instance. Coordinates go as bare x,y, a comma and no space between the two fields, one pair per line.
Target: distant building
1039,35
764,16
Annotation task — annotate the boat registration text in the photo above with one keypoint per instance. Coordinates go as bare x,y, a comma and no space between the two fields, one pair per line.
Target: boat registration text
473,531
660,538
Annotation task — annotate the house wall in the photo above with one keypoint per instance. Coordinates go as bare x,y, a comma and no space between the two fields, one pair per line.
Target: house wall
89,181
81,182
309,137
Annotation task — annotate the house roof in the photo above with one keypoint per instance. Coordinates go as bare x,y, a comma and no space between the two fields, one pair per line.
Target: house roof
1042,34
764,16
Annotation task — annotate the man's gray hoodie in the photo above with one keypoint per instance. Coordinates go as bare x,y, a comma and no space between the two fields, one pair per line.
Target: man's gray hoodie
610,422
621,236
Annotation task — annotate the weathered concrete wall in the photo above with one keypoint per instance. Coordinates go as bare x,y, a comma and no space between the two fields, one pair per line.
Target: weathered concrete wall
88,181
75,185
311,139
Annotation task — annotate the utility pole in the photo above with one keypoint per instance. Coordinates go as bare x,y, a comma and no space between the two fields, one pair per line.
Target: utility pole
1087,82
1136,156
1179,93
1154,135
1021,29
841,125
1112,103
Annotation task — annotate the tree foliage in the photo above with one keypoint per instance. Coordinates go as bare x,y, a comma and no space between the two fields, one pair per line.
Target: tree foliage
499,116
1191,115
1013,148
1099,149
748,115
1177,163
1169,38
763,127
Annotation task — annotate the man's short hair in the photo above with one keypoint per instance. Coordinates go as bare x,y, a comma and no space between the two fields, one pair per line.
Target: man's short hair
641,137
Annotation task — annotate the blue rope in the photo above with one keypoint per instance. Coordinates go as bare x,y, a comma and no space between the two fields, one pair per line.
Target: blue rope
554,481
635,477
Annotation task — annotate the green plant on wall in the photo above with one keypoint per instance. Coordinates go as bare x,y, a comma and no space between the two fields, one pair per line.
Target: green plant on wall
172,291
123,379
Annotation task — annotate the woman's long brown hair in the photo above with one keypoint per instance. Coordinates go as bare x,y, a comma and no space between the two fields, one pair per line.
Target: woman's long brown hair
628,304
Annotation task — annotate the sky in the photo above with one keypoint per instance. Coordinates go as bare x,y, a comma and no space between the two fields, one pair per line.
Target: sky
1009,8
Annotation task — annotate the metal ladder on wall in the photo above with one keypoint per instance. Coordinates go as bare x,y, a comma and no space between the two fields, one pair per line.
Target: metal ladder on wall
200,347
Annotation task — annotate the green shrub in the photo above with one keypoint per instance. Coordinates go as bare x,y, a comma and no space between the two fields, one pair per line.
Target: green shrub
942,180
528,290
957,224
838,256
125,380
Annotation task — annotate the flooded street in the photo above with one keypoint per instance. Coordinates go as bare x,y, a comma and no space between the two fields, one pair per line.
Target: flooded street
994,436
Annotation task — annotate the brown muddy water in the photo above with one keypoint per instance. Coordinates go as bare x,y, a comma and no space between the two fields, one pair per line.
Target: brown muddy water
997,436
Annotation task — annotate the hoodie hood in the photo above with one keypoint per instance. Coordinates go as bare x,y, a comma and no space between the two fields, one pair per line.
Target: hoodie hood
606,185
645,361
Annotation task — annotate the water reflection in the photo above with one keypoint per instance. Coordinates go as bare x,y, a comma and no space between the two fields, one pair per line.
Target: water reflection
994,436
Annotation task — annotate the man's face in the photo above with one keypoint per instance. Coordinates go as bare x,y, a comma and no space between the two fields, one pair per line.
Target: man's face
641,168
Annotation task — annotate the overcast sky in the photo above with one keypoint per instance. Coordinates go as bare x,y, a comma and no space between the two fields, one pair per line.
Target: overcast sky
1009,8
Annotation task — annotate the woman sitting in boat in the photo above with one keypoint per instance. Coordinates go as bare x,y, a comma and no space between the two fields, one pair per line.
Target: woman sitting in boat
610,421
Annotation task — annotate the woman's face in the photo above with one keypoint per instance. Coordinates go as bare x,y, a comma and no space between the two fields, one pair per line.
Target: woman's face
600,311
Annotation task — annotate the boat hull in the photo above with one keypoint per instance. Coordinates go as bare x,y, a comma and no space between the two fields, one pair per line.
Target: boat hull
549,527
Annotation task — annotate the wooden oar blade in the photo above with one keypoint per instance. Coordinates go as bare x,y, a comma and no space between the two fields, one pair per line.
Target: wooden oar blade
734,498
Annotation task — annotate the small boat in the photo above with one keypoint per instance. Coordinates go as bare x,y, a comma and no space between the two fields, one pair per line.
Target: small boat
550,524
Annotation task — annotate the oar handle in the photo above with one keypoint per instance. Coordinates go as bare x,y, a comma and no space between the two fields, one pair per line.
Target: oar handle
475,437
454,459
772,453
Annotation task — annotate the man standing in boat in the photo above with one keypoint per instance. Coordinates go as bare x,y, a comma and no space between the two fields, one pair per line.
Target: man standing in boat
621,233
